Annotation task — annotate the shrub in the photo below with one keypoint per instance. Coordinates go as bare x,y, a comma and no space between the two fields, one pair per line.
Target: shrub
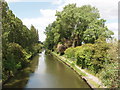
109,75
17,53
34,48
100,56
37,48
84,55
61,48
15,59
70,52
92,56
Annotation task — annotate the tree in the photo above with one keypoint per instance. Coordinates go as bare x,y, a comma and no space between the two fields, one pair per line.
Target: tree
49,43
95,30
77,25
18,43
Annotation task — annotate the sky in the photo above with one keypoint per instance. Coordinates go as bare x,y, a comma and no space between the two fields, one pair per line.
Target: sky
41,13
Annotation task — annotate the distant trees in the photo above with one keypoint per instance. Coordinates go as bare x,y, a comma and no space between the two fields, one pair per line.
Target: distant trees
18,43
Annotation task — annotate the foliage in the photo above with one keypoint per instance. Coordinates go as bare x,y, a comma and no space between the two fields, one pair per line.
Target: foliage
14,59
87,36
37,48
95,30
90,56
109,75
49,43
18,43
61,48
15,55
100,58
77,25
84,55
70,52
84,34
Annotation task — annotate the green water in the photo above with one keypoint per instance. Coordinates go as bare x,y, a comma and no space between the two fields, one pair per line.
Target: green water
46,72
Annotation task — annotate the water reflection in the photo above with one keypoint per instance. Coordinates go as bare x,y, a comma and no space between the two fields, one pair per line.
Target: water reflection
21,79
47,72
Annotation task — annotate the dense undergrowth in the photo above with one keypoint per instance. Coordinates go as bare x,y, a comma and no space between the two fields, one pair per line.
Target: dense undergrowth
100,59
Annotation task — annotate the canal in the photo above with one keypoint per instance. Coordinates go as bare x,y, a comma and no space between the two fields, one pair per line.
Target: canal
46,72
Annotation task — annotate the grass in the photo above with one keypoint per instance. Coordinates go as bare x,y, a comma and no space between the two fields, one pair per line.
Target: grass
93,83
90,72
71,64
80,72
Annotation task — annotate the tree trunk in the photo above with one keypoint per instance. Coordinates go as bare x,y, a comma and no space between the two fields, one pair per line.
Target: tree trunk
78,41
74,43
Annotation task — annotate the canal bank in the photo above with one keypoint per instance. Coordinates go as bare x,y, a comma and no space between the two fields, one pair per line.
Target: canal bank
46,72
91,80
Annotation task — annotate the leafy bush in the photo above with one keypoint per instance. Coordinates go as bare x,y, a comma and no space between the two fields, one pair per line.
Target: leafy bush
90,56
109,75
61,48
36,48
15,58
70,52
101,58
17,53
84,55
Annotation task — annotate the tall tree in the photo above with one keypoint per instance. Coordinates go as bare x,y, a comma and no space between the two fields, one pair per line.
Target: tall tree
18,43
77,25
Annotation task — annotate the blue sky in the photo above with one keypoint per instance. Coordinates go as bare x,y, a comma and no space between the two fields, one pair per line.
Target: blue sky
40,13
29,9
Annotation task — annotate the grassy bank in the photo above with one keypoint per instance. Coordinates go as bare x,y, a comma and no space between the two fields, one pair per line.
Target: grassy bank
93,81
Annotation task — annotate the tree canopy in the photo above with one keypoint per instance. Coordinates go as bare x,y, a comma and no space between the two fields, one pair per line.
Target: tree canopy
18,43
77,25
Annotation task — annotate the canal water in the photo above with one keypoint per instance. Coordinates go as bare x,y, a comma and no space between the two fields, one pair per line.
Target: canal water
45,71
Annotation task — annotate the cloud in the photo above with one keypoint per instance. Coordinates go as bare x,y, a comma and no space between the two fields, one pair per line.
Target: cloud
108,11
13,1
57,2
47,12
113,27
52,1
48,16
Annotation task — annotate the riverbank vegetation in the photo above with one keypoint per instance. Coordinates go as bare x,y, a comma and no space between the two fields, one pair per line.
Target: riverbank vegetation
80,34
19,43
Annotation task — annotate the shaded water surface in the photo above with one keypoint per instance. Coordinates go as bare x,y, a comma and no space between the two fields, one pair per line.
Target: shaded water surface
46,72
